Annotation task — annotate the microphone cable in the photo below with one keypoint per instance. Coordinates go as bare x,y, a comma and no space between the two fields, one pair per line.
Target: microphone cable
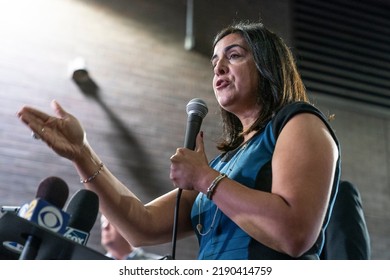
175,223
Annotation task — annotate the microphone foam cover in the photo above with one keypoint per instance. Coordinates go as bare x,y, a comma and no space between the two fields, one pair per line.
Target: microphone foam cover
83,208
198,107
53,190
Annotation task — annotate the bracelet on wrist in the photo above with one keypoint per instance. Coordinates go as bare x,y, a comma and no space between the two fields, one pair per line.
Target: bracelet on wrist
213,186
93,176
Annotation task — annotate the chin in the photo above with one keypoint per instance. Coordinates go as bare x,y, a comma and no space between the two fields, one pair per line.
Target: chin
225,100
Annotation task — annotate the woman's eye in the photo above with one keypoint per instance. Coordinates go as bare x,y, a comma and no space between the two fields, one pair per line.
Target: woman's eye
234,56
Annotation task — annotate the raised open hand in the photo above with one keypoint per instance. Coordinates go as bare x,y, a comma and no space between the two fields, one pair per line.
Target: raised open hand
63,132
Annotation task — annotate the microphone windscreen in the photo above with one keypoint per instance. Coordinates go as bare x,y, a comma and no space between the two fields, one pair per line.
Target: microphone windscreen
83,208
196,111
198,107
53,190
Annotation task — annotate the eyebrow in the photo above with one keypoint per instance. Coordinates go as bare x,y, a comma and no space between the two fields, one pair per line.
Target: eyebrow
226,49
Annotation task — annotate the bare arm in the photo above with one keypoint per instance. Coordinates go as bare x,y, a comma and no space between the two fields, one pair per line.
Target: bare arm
288,219
140,224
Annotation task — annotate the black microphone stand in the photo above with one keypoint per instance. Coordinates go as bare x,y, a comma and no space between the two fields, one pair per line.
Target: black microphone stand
30,249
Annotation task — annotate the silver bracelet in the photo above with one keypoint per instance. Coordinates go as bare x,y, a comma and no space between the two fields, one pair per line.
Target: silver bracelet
93,176
214,184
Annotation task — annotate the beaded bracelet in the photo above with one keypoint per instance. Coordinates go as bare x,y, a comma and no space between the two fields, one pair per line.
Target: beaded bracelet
214,184
93,176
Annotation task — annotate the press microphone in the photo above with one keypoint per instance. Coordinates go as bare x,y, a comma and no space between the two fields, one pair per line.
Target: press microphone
196,111
45,210
83,209
5,209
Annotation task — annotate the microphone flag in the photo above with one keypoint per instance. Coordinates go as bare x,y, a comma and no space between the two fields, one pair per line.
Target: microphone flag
46,215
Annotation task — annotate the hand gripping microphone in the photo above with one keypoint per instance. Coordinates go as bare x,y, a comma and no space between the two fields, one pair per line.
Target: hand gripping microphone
45,210
83,208
196,111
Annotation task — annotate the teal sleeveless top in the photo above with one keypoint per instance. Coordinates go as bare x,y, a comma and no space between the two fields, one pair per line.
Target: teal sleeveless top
219,237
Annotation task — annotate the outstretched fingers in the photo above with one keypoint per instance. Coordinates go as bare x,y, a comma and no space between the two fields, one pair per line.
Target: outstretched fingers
33,118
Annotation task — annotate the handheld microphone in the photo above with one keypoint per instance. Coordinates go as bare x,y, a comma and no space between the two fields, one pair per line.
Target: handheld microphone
196,111
46,211
83,208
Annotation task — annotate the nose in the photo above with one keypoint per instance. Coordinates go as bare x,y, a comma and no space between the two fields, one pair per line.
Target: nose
220,67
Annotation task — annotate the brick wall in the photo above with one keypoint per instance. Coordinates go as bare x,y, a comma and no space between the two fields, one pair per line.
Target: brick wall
134,53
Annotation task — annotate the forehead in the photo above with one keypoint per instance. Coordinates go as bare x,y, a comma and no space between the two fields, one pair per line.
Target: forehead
230,40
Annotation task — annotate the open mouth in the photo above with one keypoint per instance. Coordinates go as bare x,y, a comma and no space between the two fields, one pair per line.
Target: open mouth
220,84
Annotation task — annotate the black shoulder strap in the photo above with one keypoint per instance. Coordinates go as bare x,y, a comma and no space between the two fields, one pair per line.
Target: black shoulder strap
289,111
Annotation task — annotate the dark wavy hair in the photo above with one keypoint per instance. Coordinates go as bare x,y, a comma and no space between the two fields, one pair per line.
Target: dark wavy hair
280,83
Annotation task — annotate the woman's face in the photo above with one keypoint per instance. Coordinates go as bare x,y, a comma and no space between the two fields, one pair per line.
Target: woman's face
236,79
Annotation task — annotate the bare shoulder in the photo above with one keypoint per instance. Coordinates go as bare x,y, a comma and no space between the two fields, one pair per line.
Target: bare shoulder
307,127
305,153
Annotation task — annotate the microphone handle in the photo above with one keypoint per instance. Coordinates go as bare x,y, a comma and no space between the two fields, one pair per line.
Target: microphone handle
193,126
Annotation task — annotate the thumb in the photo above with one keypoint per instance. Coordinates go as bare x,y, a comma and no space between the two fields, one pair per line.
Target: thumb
60,112
199,142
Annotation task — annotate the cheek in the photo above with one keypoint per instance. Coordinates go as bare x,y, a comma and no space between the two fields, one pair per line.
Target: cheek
253,77
246,80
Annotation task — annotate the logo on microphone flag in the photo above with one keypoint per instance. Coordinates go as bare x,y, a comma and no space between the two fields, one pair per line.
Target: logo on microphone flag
47,216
